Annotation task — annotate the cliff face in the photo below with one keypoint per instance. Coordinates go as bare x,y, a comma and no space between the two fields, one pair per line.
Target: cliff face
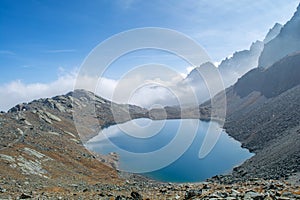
285,43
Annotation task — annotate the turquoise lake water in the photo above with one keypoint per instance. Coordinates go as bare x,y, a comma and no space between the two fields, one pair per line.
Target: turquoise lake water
168,150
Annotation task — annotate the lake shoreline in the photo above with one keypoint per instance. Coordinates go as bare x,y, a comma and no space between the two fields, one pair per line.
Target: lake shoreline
236,144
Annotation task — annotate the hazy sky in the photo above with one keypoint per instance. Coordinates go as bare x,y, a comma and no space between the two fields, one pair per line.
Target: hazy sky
43,42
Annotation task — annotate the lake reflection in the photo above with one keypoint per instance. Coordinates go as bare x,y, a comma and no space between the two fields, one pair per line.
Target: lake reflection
171,147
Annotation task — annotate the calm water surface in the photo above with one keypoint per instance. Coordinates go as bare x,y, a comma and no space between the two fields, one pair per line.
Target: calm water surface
168,140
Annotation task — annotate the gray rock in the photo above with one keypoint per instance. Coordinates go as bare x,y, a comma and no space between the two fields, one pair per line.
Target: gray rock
120,198
25,196
52,117
2,190
192,193
254,195
136,195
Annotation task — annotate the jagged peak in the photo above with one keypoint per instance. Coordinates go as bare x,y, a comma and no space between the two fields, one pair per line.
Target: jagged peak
273,32
256,45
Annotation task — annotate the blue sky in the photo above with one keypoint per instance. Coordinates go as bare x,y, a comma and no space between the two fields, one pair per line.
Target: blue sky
42,40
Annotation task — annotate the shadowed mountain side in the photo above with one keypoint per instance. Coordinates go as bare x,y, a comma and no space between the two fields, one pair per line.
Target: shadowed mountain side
263,114
271,82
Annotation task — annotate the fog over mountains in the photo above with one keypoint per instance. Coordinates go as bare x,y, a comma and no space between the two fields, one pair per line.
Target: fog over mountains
286,42
278,43
232,68
172,90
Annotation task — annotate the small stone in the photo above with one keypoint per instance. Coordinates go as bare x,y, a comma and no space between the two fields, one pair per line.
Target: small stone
287,194
53,133
74,185
120,198
53,117
2,190
214,196
192,193
283,198
59,107
27,123
136,196
254,195
25,196
206,186
7,158
230,198
163,190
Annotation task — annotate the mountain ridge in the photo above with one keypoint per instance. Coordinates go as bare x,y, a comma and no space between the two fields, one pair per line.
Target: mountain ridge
263,114
285,43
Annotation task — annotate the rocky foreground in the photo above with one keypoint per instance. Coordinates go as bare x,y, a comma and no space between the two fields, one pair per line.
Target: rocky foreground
137,190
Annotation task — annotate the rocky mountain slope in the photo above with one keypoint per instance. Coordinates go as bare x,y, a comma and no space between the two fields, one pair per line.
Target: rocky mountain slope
263,113
285,43
41,150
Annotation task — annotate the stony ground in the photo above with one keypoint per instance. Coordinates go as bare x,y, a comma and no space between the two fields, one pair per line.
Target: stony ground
272,131
253,189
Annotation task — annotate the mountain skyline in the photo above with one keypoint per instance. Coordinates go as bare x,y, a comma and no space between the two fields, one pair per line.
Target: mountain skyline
287,42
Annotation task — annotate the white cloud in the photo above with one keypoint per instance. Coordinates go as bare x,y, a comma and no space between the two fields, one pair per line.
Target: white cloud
217,63
141,89
17,92
189,69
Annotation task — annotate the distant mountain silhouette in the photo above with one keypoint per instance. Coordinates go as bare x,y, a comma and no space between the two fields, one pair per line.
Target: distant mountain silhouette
285,43
273,32
240,63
